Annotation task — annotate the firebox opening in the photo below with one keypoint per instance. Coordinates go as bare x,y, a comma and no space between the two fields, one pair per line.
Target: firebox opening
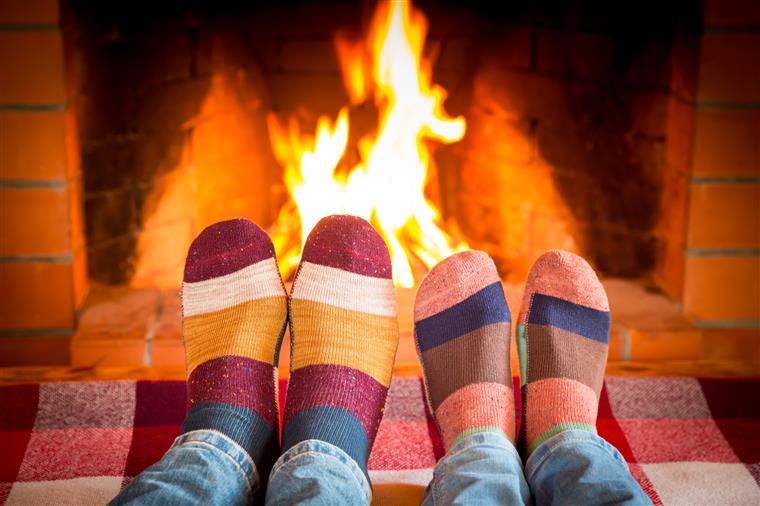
567,108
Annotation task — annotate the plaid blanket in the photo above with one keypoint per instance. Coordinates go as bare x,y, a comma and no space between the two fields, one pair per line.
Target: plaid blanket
688,441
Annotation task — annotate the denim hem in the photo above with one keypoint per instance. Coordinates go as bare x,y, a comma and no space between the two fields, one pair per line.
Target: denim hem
547,448
488,438
326,450
227,447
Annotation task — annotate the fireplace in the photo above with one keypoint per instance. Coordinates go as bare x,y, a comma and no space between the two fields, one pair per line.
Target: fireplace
625,133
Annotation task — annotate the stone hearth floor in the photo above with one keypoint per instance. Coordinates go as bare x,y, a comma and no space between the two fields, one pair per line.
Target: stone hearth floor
141,328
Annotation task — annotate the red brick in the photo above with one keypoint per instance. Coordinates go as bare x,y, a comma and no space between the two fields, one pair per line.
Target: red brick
679,344
730,344
523,95
651,65
108,353
34,221
494,136
684,56
35,351
669,272
616,351
161,253
673,205
512,49
736,13
168,353
309,55
724,216
32,145
172,106
574,54
730,67
319,93
31,64
76,218
727,143
722,288
80,278
41,295
29,11
649,111
679,135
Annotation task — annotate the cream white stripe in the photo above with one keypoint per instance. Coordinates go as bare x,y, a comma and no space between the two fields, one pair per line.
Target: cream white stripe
256,281
419,477
347,290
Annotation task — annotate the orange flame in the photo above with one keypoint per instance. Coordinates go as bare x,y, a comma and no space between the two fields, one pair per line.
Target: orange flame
387,187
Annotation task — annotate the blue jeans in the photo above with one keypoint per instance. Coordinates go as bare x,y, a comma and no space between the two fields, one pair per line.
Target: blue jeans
574,467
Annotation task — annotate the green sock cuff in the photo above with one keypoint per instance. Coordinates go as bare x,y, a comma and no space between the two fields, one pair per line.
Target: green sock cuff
522,352
560,427
478,430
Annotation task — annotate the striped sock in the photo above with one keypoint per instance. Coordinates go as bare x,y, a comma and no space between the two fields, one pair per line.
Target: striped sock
562,337
234,308
344,335
462,328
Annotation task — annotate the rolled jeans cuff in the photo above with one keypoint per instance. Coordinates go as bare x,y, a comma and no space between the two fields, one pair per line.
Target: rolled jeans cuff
569,437
226,447
484,439
316,449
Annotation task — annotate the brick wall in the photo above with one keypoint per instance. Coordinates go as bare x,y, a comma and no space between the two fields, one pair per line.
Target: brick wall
722,281
42,260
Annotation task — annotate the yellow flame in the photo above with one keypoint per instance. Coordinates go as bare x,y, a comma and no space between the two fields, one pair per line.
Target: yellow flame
388,186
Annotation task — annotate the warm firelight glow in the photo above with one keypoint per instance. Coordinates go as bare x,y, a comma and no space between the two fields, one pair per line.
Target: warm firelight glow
387,187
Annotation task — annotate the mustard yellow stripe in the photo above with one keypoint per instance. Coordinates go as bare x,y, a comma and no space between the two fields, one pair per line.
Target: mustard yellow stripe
325,334
247,330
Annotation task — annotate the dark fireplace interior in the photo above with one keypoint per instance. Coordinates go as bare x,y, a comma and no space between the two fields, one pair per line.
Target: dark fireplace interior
567,106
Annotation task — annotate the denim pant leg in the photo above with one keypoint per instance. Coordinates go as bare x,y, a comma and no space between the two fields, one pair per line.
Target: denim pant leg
579,467
315,472
482,468
201,467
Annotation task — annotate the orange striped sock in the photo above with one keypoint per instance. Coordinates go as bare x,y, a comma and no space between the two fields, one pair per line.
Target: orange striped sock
344,335
234,309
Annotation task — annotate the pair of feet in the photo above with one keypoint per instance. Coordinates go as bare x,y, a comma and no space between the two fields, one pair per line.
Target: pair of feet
343,328
463,328
344,335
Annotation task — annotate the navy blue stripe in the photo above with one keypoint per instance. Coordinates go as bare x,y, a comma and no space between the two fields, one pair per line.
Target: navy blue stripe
240,424
581,320
482,308
331,425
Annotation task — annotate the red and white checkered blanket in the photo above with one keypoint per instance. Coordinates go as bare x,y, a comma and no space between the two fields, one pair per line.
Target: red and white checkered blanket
688,440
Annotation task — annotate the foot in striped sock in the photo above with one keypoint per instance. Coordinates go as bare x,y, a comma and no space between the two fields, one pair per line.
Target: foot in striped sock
344,335
462,328
562,337
234,309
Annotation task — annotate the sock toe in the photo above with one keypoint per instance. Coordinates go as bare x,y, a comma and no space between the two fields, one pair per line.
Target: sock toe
566,276
348,243
226,247
453,280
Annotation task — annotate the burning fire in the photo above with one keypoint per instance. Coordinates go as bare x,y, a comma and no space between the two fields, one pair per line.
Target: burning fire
387,186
